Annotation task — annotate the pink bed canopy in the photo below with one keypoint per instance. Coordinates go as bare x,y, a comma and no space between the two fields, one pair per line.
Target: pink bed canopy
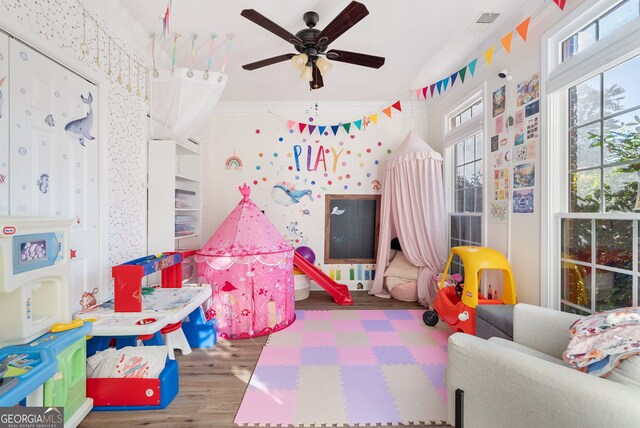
250,268
413,210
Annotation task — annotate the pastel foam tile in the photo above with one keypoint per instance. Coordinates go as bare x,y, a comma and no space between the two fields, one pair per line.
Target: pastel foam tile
372,315
319,338
356,355
285,338
280,355
320,397
274,377
409,325
391,314
429,354
393,355
319,355
347,325
266,407
346,315
317,325
410,338
435,373
384,338
377,325
318,315
348,338
368,400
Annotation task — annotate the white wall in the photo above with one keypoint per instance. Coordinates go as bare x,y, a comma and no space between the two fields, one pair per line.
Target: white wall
522,242
55,27
234,128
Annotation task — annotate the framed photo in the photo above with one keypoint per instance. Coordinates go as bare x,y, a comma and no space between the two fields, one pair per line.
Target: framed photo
499,100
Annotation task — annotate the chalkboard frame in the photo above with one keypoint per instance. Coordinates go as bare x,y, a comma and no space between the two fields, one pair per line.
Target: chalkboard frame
328,257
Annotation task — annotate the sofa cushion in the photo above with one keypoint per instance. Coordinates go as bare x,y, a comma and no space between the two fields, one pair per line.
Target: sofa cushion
526,350
499,316
627,372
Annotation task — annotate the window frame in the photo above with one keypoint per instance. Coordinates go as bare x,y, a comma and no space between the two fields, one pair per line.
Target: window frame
618,47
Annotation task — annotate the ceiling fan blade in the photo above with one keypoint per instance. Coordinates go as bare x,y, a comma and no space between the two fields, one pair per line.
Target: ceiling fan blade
356,58
269,25
268,61
317,81
350,16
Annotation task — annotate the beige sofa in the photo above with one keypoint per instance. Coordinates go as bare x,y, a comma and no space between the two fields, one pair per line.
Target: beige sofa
525,383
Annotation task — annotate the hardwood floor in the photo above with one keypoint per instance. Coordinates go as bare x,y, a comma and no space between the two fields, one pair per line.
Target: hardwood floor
212,382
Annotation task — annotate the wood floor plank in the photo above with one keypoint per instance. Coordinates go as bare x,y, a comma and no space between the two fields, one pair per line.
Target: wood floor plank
212,382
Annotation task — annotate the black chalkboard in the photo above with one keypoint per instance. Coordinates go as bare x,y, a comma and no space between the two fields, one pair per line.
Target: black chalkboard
351,228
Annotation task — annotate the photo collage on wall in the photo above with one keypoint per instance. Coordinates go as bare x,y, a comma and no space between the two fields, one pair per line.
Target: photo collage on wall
513,150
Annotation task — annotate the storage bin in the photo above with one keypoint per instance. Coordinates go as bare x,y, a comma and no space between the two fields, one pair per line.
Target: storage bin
185,198
118,394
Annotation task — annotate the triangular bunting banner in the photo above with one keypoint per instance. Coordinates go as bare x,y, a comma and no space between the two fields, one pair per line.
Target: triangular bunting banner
445,83
432,87
439,86
462,73
454,76
418,92
334,129
506,42
358,124
397,106
374,118
290,124
425,91
488,56
311,129
472,66
560,3
302,126
387,111
523,28
321,129
346,127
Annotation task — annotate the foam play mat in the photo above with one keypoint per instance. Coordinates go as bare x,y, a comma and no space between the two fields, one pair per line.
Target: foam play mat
350,367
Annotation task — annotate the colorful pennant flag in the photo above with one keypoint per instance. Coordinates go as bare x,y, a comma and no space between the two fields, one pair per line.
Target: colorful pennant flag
374,118
358,124
432,87
425,91
302,126
335,128
346,127
290,124
462,73
439,86
445,83
321,129
418,91
506,42
397,106
523,28
488,56
560,3
311,129
387,111
472,66
454,76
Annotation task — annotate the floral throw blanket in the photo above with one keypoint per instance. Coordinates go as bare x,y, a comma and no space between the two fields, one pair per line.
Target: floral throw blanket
600,341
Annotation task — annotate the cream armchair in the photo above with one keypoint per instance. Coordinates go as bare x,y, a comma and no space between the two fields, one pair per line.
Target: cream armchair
525,384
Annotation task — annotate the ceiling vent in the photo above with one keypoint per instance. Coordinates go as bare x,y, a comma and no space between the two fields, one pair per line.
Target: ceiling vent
482,23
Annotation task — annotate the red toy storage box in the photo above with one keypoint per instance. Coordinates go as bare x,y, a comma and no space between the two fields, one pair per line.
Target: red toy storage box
135,394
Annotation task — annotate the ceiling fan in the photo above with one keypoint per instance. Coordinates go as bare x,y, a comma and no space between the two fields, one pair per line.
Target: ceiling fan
312,43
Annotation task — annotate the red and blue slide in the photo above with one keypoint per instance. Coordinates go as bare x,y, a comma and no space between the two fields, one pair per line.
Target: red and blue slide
339,292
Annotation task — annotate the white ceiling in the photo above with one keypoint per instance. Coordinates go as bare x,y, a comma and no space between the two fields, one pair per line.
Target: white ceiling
422,40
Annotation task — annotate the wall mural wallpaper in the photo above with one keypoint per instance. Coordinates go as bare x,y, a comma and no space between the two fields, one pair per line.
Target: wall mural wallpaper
61,22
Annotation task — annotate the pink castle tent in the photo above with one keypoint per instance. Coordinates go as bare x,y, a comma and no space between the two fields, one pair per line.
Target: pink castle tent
250,268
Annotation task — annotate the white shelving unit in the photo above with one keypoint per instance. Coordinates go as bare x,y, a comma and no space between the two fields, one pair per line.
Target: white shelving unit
175,196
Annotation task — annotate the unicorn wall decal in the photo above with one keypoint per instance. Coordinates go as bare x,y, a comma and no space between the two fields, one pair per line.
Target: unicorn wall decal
81,128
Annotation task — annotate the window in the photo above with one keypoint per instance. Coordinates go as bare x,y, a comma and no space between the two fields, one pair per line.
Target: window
594,152
596,30
465,221
466,114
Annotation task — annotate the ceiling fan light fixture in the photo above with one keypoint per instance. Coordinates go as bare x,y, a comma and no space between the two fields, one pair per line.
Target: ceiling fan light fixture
307,74
299,61
324,65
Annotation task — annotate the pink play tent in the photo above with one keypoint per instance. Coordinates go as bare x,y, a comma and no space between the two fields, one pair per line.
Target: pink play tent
250,268
413,210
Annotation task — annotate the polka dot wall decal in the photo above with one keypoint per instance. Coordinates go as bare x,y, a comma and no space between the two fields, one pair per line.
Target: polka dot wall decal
275,155
310,119
368,150
346,187
340,177
264,178
290,168
348,176
326,133
325,174
297,177
376,162
291,131
258,167
389,151
22,150
368,174
341,143
359,155
257,131
344,164
361,164
352,136
348,152
23,91
289,154
329,182
281,139
24,56
326,150
260,154
359,183
304,140
255,182
313,183
379,143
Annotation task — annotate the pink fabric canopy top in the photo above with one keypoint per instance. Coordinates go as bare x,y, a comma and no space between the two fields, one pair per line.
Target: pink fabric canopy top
246,231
